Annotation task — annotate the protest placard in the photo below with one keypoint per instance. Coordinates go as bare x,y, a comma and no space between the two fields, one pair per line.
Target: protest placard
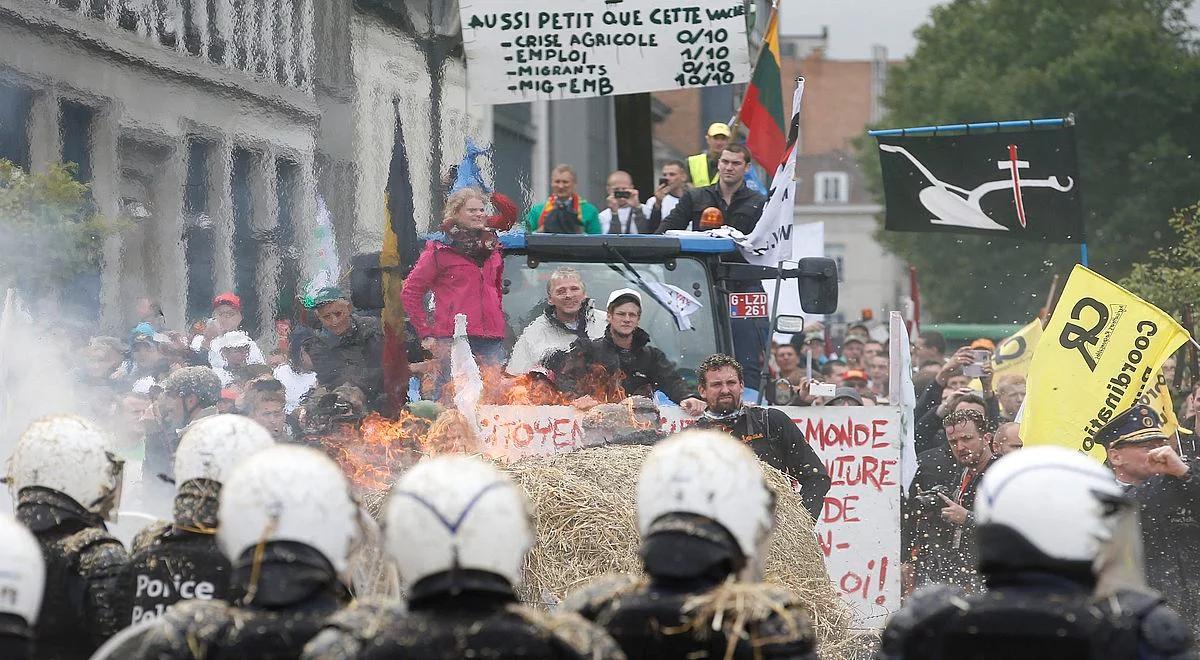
531,50
859,529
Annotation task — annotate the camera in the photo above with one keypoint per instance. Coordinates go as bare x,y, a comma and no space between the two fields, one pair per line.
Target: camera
622,194
662,181
929,498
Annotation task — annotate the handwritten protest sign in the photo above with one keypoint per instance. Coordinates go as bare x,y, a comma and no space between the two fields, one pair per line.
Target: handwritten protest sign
529,50
859,529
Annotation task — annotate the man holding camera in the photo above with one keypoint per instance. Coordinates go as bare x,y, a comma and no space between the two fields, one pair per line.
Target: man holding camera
624,214
943,545
564,212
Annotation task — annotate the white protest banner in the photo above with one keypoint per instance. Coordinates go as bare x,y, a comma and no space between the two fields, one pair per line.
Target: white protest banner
859,529
903,393
533,50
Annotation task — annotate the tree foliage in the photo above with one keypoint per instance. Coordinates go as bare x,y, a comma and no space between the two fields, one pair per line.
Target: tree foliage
1170,277
49,231
1127,69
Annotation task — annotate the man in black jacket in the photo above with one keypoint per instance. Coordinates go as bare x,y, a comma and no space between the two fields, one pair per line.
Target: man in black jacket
1167,492
348,348
739,207
772,435
590,369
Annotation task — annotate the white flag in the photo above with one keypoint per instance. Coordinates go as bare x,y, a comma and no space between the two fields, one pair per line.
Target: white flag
771,239
903,395
680,303
468,382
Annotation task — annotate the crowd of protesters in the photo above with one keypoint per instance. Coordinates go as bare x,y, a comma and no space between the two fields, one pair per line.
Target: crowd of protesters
327,372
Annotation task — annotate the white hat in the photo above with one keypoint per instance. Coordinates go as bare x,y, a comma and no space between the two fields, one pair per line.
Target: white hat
621,293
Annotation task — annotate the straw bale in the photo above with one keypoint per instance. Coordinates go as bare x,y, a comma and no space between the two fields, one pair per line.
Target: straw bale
585,510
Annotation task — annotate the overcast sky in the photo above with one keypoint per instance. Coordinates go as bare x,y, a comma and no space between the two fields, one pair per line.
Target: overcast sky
856,25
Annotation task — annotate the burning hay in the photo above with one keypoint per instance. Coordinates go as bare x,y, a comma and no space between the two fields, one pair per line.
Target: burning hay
584,505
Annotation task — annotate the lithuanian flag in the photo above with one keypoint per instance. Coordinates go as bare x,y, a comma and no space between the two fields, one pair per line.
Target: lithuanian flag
762,106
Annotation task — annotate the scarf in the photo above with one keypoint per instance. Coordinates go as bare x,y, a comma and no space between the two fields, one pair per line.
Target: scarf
474,245
549,206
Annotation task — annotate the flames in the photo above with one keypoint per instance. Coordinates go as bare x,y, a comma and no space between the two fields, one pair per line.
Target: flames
373,453
378,450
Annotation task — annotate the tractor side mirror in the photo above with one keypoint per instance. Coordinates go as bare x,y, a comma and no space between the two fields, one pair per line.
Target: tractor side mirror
818,285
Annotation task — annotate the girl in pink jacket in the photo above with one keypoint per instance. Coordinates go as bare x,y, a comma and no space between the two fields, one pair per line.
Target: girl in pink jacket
464,272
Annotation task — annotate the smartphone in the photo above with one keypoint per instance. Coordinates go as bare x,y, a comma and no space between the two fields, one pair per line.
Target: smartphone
822,389
975,369
662,181
622,194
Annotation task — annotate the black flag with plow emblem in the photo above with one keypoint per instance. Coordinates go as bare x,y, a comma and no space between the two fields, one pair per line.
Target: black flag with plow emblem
1023,184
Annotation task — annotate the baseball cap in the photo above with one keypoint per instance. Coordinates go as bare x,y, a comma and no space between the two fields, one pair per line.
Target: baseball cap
852,338
718,128
615,297
814,336
227,298
845,394
854,374
324,295
983,344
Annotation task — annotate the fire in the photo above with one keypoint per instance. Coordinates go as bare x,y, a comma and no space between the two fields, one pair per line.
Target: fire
372,455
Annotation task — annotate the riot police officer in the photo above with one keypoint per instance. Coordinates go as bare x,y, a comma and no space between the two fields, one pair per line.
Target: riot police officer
1056,535
22,577
705,513
187,395
180,560
66,481
458,529
288,526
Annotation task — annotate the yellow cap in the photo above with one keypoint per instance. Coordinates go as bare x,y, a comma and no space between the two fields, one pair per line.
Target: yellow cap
717,128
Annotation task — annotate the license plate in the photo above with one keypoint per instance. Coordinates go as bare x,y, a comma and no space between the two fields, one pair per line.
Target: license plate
747,305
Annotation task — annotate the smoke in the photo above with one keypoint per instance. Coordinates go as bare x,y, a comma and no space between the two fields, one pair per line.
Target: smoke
35,374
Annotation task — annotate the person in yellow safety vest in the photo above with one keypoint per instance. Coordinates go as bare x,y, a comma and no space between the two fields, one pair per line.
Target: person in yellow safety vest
703,167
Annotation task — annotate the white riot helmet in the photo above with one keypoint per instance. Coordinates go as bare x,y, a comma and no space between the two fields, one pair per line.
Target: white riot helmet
71,455
1046,507
710,474
212,446
22,572
289,493
457,512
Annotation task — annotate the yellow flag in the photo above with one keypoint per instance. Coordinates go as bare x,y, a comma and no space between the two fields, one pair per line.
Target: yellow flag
1098,355
1159,398
1015,352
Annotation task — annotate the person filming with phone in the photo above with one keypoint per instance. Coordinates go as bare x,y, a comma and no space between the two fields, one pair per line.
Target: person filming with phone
673,183
624,214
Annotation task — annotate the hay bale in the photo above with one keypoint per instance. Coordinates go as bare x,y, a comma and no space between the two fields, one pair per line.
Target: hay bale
585,503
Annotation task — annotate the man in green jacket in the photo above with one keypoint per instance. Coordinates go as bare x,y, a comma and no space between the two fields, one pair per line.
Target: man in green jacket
564,212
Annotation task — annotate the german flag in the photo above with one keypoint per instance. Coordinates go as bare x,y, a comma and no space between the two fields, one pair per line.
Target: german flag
762,106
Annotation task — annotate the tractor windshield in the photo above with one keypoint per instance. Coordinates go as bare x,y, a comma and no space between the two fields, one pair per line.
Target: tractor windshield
525,298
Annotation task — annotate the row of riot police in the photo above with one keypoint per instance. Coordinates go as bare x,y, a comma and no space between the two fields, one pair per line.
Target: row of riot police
251,565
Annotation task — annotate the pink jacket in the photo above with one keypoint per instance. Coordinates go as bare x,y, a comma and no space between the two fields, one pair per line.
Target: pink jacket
459,287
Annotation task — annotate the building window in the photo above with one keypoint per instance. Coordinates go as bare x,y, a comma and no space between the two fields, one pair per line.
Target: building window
14,115
831,188
75,128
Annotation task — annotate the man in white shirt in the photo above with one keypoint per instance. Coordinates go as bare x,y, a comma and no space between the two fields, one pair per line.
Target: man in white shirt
624,214
672,184
568,316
